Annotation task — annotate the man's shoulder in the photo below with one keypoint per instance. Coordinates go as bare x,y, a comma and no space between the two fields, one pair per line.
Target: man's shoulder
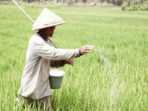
35,38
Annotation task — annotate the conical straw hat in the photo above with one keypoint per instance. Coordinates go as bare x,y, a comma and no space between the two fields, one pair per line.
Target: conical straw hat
47,19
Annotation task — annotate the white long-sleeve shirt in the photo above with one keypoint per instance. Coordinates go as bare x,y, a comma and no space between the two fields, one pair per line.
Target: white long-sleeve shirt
35,78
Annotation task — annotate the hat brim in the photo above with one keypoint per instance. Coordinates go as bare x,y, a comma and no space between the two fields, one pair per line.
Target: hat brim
46,26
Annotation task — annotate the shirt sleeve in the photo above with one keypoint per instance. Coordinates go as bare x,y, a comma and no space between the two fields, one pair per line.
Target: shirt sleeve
44,50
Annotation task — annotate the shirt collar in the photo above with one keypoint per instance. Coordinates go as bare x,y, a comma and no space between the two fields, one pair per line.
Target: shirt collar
45,38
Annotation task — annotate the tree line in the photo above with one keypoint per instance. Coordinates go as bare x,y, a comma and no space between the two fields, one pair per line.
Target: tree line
125,4
115,2
134,5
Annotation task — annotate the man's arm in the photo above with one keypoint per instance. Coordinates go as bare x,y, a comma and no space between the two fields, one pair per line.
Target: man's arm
46,51
61,63
57,63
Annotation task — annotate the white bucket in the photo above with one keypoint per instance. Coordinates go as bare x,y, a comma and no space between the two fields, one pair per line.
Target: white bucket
55,78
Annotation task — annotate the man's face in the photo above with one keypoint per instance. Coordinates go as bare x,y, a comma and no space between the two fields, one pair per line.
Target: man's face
49,31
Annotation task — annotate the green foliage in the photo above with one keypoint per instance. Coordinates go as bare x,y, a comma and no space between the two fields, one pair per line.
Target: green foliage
135,5
91,85
70,2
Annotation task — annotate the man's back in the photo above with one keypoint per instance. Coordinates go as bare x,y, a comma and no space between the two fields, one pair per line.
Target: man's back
35,82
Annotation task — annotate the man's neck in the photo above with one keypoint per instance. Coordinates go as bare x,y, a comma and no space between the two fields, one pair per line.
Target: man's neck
43,36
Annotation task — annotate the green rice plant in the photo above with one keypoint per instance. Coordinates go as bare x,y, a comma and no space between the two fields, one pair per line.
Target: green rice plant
90,85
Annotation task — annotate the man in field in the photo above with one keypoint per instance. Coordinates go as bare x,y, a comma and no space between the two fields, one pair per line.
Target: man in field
40,56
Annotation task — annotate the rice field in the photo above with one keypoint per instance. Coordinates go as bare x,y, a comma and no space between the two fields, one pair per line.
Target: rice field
114,77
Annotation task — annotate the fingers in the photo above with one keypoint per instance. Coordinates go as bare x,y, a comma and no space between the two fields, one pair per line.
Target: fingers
69,62
87,49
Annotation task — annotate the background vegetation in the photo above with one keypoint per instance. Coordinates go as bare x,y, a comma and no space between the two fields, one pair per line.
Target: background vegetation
119,84
134,5
131,5
117,2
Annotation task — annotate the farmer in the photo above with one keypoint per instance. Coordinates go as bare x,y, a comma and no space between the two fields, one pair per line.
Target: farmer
40,56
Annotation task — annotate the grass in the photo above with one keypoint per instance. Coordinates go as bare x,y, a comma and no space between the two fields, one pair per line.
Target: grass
122,37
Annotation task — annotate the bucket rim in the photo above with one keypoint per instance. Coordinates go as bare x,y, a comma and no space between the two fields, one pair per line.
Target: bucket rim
60,73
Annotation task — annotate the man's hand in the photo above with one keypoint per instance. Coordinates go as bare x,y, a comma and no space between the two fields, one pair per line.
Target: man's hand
70,61
86,49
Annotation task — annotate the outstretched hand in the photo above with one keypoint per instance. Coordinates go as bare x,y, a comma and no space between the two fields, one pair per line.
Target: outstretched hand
86,49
